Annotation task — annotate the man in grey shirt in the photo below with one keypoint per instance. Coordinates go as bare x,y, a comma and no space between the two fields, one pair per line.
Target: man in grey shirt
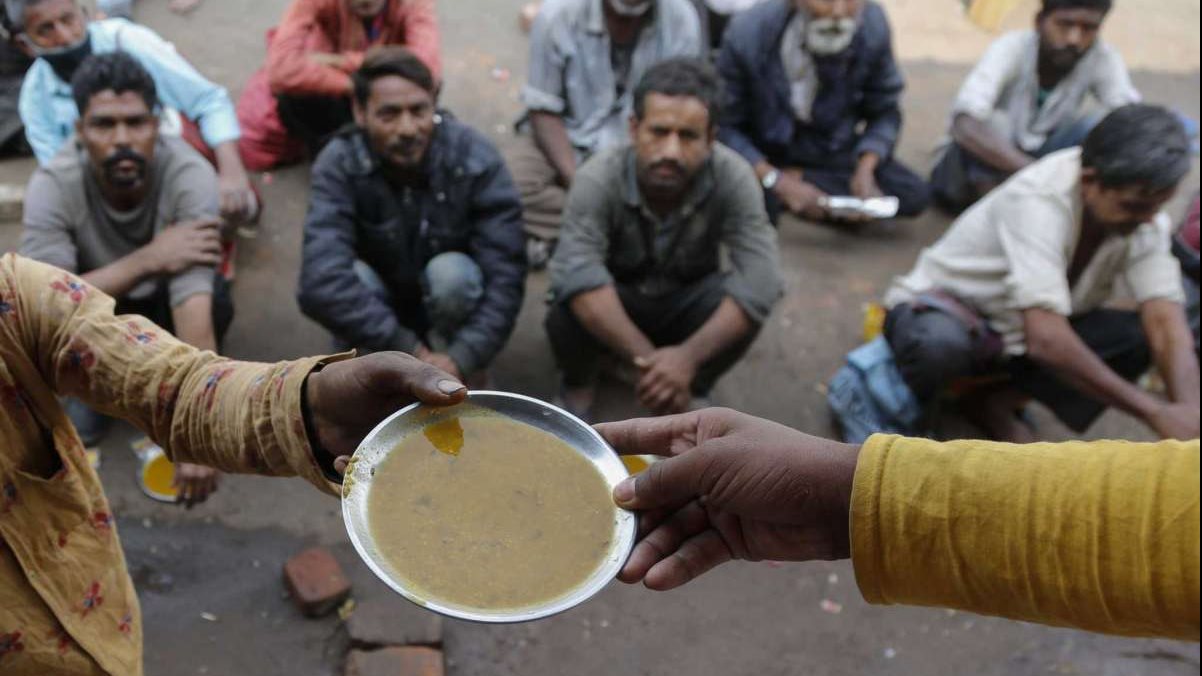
585,57
136,215
637,270
1024,100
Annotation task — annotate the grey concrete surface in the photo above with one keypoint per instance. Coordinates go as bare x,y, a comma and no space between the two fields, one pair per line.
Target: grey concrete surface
224,557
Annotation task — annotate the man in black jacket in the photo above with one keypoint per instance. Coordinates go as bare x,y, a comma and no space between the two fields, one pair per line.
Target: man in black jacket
413,240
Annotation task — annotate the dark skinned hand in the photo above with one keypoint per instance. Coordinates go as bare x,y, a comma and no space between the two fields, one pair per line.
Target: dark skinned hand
732,487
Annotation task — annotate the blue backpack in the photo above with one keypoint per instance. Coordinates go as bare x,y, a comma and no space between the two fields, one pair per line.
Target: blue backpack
868,395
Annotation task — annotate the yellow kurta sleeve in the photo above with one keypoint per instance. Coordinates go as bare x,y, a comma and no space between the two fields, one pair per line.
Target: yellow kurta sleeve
1101,536
239,417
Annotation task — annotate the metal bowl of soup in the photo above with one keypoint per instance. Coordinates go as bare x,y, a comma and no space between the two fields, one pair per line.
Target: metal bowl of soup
498,509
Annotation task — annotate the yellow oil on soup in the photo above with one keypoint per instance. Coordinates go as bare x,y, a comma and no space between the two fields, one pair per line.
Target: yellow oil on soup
487,513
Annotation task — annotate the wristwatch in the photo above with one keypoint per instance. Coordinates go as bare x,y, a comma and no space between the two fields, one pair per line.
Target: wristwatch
769,180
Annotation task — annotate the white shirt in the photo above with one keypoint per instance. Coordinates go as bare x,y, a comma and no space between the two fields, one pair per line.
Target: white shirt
1012,250
1003,89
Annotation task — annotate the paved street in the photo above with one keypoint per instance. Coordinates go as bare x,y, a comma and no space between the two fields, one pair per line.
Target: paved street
224,557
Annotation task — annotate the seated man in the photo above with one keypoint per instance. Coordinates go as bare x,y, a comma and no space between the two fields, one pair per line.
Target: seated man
812,102
1023,101
637,269
302,96
585,58
413,240
67,601
1018,287
60,36
136,214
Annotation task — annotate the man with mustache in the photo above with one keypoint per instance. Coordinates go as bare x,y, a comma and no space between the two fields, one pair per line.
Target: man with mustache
1024,99
585,58
637,272
292,105
60,36
413,240
135,214
813,102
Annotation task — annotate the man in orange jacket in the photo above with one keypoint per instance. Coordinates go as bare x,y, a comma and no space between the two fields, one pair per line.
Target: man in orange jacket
302,95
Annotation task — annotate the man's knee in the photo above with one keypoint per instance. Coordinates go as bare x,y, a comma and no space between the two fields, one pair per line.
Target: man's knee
453,284
931,348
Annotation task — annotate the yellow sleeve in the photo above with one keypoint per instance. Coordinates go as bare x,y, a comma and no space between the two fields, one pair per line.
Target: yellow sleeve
1101,536
200,407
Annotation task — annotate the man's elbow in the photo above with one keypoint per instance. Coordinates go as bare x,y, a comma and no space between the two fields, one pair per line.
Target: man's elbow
1042,347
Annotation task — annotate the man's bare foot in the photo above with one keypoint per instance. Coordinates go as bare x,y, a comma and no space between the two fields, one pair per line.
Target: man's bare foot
184,6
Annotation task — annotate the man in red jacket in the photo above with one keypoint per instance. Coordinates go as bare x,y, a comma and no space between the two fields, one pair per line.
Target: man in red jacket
302,95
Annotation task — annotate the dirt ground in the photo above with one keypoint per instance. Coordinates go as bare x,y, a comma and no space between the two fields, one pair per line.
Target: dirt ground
224,558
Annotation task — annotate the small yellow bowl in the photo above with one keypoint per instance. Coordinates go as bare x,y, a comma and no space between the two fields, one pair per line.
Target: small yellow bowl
156,476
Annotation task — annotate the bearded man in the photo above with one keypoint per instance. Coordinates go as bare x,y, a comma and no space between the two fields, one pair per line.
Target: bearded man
812,101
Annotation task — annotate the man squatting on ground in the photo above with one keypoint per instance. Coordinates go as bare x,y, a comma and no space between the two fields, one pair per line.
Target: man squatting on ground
1024,99
813,102
413,240
998,297
637,269
136,214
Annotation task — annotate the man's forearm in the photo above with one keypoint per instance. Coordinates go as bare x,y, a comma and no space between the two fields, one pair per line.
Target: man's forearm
601,313
1172,349
193,320
119,277
228,158
868,162
551,137
1052,342
728,325
984,143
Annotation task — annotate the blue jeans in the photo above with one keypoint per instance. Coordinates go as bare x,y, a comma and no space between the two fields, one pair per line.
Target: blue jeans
452,285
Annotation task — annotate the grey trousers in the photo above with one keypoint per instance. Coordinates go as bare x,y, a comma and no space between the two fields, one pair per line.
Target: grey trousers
543,198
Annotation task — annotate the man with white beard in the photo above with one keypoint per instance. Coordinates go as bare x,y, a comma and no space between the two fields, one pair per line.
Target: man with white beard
812,101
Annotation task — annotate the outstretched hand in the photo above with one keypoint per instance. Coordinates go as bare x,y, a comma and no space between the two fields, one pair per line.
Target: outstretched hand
733,487
347,399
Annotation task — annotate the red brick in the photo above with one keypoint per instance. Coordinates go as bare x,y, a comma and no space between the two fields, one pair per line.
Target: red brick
392,621
395,662
316,582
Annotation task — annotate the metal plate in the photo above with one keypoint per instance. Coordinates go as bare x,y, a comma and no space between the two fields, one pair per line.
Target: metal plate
356,491
880,208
